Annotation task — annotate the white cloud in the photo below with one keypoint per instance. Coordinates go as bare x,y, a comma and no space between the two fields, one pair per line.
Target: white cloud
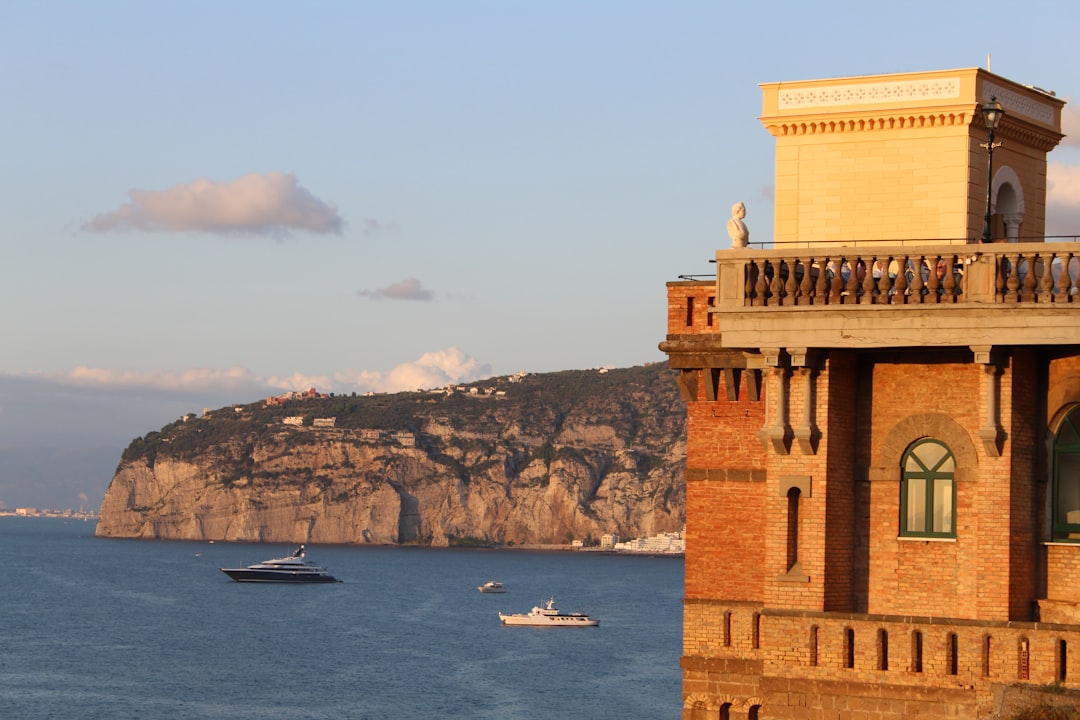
433,369
234,378
258,204
407,289
1062,200
1070,125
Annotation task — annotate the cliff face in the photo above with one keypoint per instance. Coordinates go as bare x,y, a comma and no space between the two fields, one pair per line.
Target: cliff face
545,459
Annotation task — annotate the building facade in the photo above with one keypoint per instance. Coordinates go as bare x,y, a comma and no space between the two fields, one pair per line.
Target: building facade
883,465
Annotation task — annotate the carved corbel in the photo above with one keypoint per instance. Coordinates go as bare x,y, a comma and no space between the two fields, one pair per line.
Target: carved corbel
807,365
754,365
776,433
991,433
687,380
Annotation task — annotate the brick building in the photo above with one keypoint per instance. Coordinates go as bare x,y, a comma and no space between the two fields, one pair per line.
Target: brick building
883,467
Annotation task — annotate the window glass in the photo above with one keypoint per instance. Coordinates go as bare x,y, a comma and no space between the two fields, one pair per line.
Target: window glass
943,510
916,505
1068,506
1067,478
928,490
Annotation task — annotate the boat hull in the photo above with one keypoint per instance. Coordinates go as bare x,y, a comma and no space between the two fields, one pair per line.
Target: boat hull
276,576
549,620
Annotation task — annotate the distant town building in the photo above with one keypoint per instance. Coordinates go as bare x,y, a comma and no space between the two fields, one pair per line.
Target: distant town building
293,420
370,434
672,543
405,439
328,422
309,394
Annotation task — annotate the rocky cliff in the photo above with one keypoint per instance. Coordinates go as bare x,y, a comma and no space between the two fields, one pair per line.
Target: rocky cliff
525,459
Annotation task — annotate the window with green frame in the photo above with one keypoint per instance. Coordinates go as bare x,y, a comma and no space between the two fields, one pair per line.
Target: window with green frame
928,490
1067,478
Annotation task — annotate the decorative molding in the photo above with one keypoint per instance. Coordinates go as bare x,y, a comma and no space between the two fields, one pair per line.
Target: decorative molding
895,121
1013,101
873,93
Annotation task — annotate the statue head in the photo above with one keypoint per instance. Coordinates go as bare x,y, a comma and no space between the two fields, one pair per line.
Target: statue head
738,210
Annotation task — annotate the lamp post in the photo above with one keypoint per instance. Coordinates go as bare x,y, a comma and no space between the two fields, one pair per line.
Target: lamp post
992,113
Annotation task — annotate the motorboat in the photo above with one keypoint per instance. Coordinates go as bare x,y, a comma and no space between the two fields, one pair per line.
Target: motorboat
548,616
491,586
295,568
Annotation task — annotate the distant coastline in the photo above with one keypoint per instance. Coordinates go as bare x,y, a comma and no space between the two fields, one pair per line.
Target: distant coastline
48,513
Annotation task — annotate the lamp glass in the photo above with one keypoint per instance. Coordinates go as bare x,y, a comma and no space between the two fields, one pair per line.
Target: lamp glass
992,112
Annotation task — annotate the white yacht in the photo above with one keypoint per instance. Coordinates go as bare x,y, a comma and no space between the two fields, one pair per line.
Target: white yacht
491,586
294,568
548,616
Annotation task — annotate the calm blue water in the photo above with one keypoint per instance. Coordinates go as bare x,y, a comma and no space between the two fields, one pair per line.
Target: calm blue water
95,628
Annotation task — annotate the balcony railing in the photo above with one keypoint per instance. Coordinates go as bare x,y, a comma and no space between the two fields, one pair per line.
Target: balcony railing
899,275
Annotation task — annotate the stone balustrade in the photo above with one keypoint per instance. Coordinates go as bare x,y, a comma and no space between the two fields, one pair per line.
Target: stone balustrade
1039,273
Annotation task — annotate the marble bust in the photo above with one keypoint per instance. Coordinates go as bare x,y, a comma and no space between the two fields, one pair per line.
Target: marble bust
736,228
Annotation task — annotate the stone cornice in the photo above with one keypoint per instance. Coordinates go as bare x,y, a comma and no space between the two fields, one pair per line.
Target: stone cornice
1014,129
1029,135
899,120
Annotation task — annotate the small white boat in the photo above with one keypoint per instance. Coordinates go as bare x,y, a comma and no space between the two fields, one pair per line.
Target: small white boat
294,568
548,616
491,586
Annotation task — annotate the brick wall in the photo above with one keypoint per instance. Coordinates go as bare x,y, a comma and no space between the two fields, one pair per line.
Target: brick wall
690,300
725,501
811,664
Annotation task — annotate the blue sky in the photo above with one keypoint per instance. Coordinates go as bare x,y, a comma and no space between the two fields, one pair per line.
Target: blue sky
204,202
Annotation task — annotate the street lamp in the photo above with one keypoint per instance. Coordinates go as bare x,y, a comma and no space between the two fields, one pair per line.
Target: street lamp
992,113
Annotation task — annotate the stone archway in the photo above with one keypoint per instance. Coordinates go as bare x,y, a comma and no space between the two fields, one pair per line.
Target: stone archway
886,460
1007,201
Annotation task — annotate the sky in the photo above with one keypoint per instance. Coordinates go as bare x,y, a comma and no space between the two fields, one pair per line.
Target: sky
206,203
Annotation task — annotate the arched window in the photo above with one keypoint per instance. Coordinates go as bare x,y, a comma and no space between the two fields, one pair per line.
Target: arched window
1067,478
928,491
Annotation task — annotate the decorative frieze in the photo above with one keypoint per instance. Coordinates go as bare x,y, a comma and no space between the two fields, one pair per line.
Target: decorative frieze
870,93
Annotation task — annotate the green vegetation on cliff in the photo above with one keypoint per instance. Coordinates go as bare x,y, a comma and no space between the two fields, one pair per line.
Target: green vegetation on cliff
625,399
519,459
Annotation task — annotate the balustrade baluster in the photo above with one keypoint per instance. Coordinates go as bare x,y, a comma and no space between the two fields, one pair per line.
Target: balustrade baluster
1065,282
884,282
837,286
851,291
760,284
1028,294
933,281
806,287
869,286
948,279
1046,282
791,288
899,283
776,287
918,289
821,286
1013,283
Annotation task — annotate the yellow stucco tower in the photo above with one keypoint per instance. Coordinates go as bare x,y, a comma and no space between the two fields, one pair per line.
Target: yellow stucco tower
899,157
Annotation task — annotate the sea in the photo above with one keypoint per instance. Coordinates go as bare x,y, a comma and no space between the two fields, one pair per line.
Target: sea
105,628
